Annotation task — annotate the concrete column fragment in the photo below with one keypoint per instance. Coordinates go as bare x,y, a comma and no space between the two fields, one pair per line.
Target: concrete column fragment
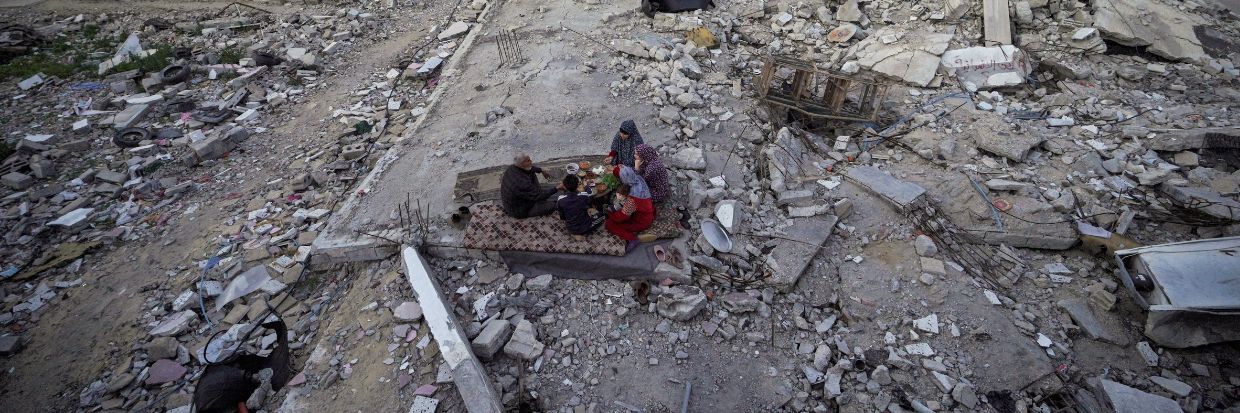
467,372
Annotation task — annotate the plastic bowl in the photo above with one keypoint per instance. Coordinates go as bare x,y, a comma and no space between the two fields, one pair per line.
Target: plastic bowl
716,236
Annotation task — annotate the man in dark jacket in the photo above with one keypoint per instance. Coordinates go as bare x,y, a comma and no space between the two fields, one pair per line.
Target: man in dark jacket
521,194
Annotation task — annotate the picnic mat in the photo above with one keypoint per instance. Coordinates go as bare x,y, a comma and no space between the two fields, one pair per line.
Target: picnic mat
483,184
489,229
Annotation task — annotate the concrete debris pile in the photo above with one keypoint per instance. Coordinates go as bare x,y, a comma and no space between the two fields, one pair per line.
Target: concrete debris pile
954,252
131,154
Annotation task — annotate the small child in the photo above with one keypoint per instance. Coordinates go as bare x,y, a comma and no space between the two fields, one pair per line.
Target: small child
574,208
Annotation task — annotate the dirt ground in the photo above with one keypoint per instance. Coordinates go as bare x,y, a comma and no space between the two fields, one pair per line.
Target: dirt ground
90,329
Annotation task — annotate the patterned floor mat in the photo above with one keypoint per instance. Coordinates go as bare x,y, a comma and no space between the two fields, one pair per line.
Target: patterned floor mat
489,229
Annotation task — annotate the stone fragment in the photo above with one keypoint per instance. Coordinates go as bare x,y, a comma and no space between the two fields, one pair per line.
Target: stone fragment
539,283
965,395
933,266
690,158
524,343
1007,185
456,29
739,302
945,382
929,324
162,348
1147,352
423,404
1180,388
17,180
174,324
493,337
10,345
408,311
681,303
850,11
632,48
924,246
164,371
1128,399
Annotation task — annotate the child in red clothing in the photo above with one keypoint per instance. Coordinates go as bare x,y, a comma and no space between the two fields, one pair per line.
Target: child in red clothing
635,212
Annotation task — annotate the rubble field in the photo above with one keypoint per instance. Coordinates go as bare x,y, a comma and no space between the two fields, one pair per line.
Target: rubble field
924,203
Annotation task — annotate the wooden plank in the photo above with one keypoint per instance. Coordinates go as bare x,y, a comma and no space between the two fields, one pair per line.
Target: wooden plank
998,24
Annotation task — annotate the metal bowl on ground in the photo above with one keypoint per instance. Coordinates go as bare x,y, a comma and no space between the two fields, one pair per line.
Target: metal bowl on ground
716,236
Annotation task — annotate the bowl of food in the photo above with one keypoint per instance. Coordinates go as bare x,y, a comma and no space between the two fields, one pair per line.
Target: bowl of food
572,168
598,170
585,165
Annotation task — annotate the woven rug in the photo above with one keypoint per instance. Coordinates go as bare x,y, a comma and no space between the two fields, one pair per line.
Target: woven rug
489,229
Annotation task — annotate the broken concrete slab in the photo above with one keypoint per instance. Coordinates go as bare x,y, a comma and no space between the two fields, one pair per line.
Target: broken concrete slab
786,159
1014,146
1185,139
1128,399
456,29
471,378
1212,203
1162,28
631,48
989,67
914,57
1084,318
175,324
130,116
901,193
793,254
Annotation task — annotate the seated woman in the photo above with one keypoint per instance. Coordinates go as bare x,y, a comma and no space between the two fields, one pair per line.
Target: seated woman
623,143
651,169
574,209
635,211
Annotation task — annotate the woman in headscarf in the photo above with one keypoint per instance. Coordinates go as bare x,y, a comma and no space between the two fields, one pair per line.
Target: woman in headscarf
623,143
651,169
634,210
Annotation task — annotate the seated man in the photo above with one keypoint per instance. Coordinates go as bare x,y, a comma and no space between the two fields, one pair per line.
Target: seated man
520,193
575,209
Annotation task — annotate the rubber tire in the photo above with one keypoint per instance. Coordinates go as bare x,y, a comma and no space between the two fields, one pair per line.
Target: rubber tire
130,137
174,74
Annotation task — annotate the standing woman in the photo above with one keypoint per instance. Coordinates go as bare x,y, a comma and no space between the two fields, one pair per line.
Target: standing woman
651,169
623,144
635,210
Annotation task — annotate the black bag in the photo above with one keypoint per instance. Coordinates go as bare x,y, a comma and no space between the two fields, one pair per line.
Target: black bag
230,381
